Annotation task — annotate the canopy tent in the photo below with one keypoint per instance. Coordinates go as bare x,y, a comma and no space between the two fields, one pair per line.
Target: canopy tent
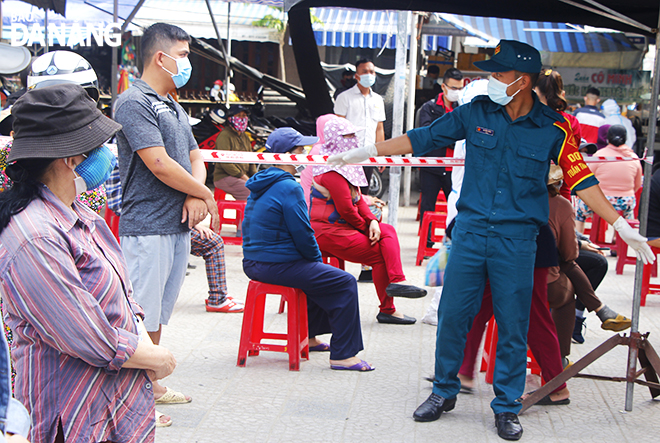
191,15
644,12
356,28
337,27
561,44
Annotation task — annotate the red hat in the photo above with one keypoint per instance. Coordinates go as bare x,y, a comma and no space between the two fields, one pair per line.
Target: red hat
218,82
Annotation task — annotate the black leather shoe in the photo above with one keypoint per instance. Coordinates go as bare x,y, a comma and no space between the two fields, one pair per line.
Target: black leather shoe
508,426
387,318
433,407
407,291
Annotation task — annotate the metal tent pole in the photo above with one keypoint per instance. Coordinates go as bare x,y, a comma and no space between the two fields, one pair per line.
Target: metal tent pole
228,54
45,30
410,114
113,80
397,112
643,217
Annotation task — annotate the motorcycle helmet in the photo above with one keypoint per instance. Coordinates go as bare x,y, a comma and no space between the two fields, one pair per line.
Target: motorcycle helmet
58,67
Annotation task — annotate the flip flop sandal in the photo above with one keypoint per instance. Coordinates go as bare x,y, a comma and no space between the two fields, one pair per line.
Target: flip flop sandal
322,347
363,366
160,423
172,397
617,324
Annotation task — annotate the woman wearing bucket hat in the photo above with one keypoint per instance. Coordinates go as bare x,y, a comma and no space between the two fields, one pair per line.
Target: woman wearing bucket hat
345,227
84,361
231,177
279,248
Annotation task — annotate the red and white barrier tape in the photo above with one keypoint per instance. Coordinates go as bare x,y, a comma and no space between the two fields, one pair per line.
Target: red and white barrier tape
213,156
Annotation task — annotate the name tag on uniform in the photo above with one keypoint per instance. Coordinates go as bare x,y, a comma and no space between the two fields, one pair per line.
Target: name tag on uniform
486,131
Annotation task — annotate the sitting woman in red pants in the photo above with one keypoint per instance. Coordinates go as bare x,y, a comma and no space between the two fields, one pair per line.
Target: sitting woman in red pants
345,227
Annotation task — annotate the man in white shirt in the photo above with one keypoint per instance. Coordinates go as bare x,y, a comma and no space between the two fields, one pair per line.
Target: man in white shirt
364,108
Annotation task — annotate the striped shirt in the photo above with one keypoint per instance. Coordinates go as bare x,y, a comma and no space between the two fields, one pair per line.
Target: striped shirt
67,298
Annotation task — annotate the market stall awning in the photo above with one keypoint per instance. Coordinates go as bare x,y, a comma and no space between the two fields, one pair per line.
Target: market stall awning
544,36
355,28
561,44
191,15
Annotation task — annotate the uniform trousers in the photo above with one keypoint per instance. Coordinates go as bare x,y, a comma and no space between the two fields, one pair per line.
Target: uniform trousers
541,337
509,265
332,299
384,257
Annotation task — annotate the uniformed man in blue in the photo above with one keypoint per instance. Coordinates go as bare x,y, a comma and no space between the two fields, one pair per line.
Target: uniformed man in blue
511,138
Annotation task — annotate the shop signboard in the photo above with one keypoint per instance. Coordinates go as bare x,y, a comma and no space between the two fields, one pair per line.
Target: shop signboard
625,86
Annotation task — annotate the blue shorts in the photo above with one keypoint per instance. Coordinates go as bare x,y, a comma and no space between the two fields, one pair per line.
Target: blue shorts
157,266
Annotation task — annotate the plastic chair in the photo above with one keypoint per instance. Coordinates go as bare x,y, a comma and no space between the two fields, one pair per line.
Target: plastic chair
598,230
232,218
490,348
219,194
440,204
252,333
647,286
431,222
622,258
112,220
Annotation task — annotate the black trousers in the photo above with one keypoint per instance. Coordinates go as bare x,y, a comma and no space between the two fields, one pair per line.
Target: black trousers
432,180
594,266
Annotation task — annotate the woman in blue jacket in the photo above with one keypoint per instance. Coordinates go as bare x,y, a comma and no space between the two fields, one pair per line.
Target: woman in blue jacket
279,248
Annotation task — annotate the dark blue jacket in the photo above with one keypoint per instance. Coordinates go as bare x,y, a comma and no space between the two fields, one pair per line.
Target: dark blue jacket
276,227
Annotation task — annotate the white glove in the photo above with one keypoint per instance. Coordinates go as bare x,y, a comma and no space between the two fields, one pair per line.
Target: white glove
353,156
634,240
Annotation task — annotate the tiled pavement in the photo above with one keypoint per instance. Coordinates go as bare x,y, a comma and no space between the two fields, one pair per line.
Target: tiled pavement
265,402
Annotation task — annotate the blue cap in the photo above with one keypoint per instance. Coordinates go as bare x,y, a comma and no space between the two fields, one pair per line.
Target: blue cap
283,140
512,55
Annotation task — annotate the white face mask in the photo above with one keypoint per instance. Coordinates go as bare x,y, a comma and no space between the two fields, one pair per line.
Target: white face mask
453,95
497,91
78,182
367,80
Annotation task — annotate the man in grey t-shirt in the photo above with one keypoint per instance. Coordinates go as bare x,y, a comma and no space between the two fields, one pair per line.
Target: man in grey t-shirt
162,174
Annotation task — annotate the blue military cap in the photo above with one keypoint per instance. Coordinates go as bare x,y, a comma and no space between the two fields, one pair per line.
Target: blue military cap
512,55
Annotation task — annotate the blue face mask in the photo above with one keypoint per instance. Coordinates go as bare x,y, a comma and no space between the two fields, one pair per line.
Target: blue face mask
95,169
497,91
184,70
367,80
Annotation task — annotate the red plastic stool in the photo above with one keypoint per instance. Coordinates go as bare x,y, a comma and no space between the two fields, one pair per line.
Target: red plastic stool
432,221
252,332
237,220
328,259
598,230
440,204
622,258
488,355
219,194
647,286
112,220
